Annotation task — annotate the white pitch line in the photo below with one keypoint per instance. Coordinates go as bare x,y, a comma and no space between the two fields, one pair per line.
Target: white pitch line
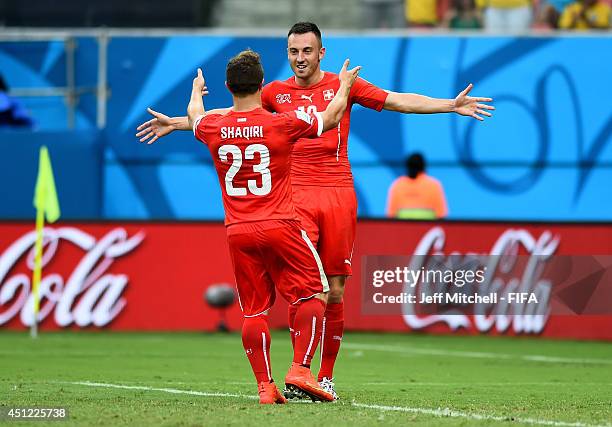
425,411
165,390
482,384
481,417
475,354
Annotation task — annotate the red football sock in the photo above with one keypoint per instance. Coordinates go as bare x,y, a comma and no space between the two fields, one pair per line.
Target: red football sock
333,327
307,326
292,310
256,342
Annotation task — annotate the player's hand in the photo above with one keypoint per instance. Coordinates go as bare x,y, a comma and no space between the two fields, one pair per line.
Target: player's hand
199,81
471,106
160,125
348,76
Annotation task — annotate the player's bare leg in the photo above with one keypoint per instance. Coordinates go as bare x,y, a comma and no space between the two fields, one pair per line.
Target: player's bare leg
336,289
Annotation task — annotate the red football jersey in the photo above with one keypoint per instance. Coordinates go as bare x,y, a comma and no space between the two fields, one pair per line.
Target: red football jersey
252,155
323,162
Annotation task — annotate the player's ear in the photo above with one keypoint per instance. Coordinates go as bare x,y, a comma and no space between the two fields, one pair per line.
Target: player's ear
321,53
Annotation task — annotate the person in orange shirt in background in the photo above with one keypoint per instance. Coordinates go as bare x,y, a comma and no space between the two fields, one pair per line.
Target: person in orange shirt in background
417,195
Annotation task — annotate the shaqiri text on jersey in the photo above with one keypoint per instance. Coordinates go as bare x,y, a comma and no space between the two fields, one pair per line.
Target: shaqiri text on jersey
252,156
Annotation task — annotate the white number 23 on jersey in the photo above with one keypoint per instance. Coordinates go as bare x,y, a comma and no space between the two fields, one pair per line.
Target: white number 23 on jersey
262,168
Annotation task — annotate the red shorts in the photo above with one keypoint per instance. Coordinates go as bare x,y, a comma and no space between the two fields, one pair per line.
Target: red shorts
273,254
329,216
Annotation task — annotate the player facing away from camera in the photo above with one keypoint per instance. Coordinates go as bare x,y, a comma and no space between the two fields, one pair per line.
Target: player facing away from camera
321,175
251,149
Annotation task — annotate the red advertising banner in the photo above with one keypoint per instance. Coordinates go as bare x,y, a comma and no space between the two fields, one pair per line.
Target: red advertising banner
153,276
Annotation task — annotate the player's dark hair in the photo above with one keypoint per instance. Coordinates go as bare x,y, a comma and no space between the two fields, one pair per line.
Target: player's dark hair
244,73
305,28
415,164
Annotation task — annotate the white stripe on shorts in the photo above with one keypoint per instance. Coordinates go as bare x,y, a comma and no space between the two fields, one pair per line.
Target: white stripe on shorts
318,260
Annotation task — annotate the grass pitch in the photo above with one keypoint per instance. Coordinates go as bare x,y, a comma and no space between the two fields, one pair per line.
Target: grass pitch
383,379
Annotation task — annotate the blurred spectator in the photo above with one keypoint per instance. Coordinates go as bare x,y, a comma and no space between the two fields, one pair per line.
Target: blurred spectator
463,15
12,112
506,15
585,15
425,13
550,11
417,195
383,13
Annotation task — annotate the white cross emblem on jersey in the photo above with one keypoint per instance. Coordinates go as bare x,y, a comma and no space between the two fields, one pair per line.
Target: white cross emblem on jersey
328,94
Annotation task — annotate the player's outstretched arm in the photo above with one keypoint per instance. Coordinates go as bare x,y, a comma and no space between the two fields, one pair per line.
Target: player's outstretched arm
336,108
159,126
463,104
195,108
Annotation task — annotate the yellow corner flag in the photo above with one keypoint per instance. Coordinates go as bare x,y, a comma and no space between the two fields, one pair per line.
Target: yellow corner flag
47,205
45,197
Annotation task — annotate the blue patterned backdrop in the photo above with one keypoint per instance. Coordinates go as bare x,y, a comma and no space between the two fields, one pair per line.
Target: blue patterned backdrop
546,154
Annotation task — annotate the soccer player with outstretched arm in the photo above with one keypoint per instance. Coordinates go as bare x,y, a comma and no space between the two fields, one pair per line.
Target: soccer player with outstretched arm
321,175
251,149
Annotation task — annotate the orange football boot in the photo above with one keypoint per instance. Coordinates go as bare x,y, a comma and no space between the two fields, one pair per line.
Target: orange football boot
300,377
269,394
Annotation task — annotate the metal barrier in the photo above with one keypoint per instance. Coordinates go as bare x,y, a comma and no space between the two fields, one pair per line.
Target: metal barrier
70,92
